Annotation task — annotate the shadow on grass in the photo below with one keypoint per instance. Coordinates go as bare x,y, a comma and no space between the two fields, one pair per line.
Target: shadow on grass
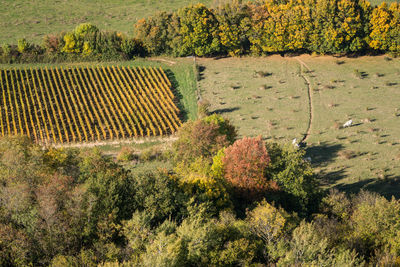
324,153
331,177
225,110
178,102
387,187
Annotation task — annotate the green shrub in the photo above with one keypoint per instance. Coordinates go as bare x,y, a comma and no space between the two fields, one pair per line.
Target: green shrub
299,187
6,49
132,48
126,154
23,46
151,153
225,127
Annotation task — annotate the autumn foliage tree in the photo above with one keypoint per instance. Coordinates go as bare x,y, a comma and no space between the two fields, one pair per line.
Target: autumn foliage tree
234,27
279,27
156,32
198,139
385,29
244,165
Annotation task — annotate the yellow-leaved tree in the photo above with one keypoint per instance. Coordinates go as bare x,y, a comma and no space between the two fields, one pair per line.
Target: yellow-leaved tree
385,28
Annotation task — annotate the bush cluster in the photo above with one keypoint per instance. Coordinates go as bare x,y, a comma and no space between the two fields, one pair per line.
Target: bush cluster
62,207
85,43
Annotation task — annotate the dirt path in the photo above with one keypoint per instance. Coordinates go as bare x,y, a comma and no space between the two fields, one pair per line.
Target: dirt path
310,102
117,142
169,62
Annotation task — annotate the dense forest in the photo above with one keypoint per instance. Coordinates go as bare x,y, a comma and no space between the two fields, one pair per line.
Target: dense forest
234,28
225,202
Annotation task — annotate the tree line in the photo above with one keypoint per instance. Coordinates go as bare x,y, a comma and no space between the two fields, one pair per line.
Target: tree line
234,28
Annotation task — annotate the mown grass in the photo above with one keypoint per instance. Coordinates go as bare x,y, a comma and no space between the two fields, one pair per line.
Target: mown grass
33,19
366,155
274,105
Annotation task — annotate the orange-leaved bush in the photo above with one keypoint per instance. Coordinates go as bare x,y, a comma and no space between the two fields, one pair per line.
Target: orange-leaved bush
244,165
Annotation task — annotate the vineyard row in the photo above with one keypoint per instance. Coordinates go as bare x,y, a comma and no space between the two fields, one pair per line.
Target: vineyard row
63,105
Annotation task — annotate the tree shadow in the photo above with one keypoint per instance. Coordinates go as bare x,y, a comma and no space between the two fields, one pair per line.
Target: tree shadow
178,100
225,110
387,187
331,177
200,72
323,153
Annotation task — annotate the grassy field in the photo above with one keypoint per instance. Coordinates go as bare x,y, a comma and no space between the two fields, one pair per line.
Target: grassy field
33,19
268,97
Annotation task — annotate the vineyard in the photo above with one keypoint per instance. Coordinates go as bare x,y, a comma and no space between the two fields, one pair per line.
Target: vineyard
63,105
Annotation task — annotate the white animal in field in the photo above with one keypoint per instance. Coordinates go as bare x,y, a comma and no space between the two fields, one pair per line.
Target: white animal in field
294,142
348,123
308,159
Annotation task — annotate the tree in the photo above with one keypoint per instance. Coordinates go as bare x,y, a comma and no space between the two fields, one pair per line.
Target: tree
198,139
224,126
107,193
280,27
295,178
339,26
307,247
156,33
385,29
376,224
266,222
234,25
198,30
159,195
244,164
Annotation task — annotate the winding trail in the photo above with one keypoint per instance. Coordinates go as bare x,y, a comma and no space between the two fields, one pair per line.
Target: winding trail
310,100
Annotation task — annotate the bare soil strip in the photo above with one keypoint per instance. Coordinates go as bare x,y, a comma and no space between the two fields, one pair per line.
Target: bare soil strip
117,142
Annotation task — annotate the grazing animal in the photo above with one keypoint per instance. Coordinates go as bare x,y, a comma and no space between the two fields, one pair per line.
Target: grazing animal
348,123
294,142
308,159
